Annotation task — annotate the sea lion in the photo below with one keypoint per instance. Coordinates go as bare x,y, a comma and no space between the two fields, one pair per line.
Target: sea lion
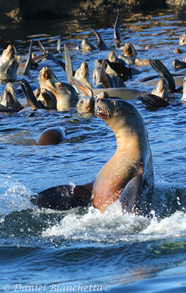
85,105
130,169
159,96
66,96
82,73
51,136
128,54
125,180
87,46
182,39
9,63
8,100
122,93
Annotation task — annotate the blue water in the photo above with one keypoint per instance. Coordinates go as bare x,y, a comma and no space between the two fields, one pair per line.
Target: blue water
81,249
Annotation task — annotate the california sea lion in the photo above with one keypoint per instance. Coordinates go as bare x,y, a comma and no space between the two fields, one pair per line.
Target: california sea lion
66,95
125,179
130,169
9,63
51,136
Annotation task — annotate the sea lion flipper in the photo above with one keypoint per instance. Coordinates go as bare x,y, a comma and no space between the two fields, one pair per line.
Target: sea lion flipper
153,101
117,30
43,50
160,68
63,197
28,61
129,196
31,99
68,64
82,88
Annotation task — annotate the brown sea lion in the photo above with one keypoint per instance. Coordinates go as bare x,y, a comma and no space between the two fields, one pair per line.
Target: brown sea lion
125,180
51,136
130,169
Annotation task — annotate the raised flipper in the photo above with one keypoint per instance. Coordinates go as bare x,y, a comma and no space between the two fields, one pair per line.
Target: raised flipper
82,89
31,99
160,68
154,102
28,63
68,65
123,72
103,77
100,44
64,197
59,45
117,38
50,56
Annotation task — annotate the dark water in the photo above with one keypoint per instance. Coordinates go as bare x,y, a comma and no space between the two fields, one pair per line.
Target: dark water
80,249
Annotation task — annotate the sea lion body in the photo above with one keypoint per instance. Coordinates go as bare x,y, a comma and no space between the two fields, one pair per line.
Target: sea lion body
132,161
9,63
8,100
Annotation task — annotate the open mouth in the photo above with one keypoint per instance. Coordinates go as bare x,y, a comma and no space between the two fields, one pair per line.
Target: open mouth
102,112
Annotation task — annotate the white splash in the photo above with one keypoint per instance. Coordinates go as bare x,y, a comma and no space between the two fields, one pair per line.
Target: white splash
13,196
98,227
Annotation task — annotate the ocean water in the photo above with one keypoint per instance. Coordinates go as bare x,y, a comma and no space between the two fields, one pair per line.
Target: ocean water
81,249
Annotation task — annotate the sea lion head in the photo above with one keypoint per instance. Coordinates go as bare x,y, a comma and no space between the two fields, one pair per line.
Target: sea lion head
118,114
111,56
85,105
46,73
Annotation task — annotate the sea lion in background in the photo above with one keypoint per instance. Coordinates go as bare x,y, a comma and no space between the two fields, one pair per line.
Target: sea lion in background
87,46
9,63
182,39
128,54
159,96
82,73
85,105
66,96
125,180
8,100
51,136
129,172
122,93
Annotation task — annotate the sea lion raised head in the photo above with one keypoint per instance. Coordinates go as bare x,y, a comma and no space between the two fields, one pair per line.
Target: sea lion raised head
131,165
